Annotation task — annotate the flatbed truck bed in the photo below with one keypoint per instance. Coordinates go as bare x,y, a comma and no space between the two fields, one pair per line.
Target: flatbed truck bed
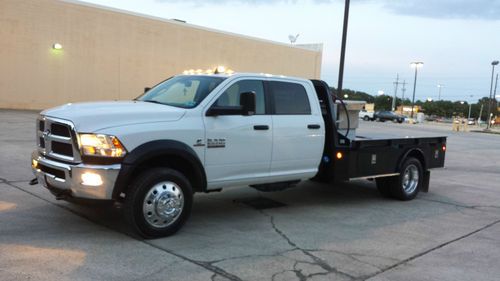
375,156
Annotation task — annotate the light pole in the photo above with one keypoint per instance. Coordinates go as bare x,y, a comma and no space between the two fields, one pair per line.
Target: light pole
415,65
439,87
342,48
493,64
495,96
470,107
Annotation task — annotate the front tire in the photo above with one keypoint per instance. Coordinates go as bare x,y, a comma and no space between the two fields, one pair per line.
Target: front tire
366,118
158,203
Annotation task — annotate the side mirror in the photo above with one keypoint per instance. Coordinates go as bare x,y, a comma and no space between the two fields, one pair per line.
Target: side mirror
146,89
247,103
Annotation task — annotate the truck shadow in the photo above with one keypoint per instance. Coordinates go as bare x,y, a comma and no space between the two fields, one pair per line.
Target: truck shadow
235,208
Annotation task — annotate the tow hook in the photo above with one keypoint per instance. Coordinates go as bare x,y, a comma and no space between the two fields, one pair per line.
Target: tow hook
34,181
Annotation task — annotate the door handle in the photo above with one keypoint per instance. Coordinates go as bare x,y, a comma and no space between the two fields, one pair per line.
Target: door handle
261,127
313,126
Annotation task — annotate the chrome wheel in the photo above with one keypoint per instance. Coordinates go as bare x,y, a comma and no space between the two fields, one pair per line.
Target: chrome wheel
163,204
410,179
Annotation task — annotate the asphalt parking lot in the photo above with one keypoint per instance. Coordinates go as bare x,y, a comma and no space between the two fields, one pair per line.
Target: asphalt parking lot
322,232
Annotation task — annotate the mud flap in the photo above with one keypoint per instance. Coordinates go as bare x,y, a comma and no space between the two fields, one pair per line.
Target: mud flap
425,182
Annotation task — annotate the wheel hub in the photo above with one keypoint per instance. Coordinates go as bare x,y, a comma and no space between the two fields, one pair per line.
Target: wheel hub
163,204
410,179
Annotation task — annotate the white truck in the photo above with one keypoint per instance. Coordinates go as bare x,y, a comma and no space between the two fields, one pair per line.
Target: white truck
204,132
366,115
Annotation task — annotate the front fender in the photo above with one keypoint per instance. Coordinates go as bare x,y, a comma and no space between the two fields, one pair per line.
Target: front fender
154,149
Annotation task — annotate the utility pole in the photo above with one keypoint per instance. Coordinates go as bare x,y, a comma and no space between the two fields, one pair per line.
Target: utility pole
396,84
403,95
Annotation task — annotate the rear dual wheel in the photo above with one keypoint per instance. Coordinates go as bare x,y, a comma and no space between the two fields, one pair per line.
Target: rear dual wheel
405,186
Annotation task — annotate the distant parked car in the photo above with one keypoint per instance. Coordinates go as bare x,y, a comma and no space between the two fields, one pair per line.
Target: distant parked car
365,115
471,121
383,116
431,118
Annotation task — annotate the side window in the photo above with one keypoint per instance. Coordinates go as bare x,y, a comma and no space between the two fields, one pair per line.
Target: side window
231,97
289,98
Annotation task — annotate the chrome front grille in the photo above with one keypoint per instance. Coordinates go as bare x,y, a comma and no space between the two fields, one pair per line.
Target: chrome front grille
56,139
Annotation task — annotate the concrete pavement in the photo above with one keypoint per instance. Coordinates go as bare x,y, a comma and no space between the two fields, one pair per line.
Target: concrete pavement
344,232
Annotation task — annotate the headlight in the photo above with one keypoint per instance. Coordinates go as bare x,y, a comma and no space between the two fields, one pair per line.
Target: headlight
101,145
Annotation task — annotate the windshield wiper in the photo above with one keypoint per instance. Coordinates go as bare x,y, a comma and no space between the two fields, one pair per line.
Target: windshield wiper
154,101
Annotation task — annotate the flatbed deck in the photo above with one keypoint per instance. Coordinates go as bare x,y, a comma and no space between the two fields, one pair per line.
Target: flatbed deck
372,155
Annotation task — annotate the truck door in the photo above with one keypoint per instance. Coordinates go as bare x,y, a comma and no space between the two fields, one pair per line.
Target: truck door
298,129
238,148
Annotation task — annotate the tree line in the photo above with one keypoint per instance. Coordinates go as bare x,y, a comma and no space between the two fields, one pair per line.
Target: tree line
442,108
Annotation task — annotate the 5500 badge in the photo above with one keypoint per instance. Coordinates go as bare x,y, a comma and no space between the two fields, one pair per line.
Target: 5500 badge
214,143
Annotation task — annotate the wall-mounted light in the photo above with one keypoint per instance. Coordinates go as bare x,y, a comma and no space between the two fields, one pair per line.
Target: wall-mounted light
57,46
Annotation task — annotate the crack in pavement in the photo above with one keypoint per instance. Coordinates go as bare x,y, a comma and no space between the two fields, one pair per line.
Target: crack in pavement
298,272
353,257
432,249
206,265
478,207
317,260
217,271
280,253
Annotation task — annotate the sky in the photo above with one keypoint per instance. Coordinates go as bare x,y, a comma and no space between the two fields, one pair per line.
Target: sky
456,39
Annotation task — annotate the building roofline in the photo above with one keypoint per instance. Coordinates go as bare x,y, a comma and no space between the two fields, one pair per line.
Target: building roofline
177,22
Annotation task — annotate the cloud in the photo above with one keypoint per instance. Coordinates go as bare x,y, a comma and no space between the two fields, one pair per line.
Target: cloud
459,9
454,9
219,2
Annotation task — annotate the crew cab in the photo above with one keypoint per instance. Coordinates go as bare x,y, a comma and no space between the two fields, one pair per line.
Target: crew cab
204,132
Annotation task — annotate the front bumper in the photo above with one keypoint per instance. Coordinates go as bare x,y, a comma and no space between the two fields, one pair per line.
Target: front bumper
66,179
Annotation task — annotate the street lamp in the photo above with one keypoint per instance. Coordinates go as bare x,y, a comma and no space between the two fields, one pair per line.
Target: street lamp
470,106
439,87
493,64
415,65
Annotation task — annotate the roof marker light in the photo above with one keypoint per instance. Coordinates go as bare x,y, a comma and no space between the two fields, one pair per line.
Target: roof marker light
220,69
57,46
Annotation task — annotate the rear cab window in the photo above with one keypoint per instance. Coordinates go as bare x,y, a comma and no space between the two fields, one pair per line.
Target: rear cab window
289,98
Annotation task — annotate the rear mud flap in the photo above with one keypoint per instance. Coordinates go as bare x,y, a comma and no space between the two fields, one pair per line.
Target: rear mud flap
425,182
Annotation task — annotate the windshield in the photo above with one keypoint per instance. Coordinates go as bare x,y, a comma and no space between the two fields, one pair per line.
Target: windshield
182,91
